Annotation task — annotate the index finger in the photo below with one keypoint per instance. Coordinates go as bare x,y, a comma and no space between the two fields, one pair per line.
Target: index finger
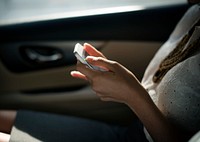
85,70
92,51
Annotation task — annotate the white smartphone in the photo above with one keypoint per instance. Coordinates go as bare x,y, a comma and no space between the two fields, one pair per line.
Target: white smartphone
81,55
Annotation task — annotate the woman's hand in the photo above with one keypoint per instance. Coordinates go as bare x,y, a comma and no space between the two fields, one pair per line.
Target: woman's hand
116,84
92,52
120,85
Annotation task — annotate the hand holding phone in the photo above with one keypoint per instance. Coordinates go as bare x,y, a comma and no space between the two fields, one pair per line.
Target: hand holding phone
81,55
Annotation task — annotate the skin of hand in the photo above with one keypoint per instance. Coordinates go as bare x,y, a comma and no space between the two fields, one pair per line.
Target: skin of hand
115,84
120,85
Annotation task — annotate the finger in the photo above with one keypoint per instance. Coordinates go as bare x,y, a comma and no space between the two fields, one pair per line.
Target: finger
77,74
106,99
92,50
85,70
102,62
100,94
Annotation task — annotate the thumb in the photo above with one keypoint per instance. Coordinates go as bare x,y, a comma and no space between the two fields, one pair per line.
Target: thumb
101,62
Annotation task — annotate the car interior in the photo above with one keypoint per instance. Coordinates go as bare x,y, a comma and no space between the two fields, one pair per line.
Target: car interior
36,55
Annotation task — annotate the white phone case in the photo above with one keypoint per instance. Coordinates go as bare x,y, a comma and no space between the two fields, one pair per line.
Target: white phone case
81,55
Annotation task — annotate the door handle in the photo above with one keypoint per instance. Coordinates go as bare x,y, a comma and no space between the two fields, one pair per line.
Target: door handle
43,55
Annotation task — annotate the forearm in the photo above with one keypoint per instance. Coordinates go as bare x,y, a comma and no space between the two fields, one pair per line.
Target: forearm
154,121
120,85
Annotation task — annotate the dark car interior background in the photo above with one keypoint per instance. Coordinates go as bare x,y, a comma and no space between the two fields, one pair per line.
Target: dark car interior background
36,58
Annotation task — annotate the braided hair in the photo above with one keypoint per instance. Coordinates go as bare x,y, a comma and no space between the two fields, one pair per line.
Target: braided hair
179,54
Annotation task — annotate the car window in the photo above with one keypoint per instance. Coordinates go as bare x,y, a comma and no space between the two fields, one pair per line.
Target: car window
14,11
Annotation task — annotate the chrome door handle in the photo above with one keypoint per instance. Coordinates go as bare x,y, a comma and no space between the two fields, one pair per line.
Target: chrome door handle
35,55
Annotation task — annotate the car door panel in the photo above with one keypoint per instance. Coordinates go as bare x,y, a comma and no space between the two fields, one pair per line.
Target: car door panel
124,37
60,77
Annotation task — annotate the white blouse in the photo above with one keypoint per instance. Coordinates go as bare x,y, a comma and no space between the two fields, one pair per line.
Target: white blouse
177,95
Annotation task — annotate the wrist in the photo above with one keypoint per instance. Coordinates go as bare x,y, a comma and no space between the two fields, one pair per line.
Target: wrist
137,96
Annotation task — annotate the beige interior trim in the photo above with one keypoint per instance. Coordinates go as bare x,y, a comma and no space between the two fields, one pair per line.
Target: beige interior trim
81,102
132,54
